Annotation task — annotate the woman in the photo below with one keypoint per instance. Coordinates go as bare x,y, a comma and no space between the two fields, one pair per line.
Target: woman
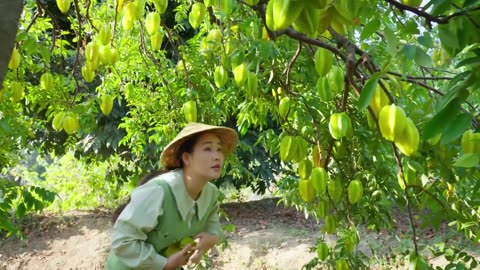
173,206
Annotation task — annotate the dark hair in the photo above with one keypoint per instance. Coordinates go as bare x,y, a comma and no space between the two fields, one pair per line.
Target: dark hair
186,146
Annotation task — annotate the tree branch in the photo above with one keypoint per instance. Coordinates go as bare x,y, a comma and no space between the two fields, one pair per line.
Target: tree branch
290,64
430,18
407,197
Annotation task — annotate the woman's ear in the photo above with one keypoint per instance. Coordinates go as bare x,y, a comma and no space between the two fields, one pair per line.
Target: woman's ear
186,159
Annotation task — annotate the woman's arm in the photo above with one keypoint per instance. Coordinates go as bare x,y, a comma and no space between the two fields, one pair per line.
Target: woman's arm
130,230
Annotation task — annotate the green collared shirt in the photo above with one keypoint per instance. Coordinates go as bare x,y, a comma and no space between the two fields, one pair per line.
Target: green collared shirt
160,213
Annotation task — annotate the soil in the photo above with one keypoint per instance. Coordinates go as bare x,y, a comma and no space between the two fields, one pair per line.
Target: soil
266,236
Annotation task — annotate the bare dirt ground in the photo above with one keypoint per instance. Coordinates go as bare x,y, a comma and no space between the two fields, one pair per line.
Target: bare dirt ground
267,236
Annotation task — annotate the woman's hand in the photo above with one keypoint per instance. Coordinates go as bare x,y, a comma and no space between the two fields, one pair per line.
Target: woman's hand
180,258
205,241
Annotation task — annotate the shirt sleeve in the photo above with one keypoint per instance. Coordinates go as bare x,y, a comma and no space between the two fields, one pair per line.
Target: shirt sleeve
213,223
130,230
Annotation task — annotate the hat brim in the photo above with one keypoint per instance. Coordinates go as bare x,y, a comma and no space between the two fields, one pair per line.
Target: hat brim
228,138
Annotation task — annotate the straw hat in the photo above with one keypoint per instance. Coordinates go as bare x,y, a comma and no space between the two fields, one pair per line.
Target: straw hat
228,138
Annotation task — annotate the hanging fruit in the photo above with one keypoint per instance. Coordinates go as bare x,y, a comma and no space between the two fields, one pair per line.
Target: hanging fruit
220,76
392,121
152,22
190,111
106,104
307,193
323,59
14,61
197,14
340,125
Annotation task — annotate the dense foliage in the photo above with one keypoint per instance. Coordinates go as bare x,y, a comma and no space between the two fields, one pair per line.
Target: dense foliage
357,106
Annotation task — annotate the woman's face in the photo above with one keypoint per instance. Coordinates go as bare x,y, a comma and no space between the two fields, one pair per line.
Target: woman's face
206,159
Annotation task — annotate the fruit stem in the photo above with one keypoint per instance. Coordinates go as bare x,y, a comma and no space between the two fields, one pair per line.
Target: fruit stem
410,216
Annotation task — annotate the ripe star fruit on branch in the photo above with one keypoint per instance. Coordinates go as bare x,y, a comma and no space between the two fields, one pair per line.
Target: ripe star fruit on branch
87,73
17,90
46,81
160,5
284,107
323,60
156,40
319,179
379,100
323,208
342,264
252,2
319,156
308,20
323,89
105,34
240,74
392,121
70,123
287,148
223,7
152,22
330,224
14,61
281,14
470,142
335,78
340,125
190,111
220,76
305,169
57,122
63,5
355,191
305,188
197,14
335,189
106,104
413,3
409,141
251,86
323,251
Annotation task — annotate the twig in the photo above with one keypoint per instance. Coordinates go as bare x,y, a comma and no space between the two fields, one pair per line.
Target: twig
87,15
175,48
407,197
420,77
301,37
290,64
430,18
79,43
32,21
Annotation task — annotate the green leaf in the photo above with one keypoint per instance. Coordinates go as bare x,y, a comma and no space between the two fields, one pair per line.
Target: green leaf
468,160
472,61
422,58
391,40
409,51
370,28
440,122
21,209
426,40
368,91
448,37
461,123
411,27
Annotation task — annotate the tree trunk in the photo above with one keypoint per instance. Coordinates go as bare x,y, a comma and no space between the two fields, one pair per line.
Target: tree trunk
10,11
